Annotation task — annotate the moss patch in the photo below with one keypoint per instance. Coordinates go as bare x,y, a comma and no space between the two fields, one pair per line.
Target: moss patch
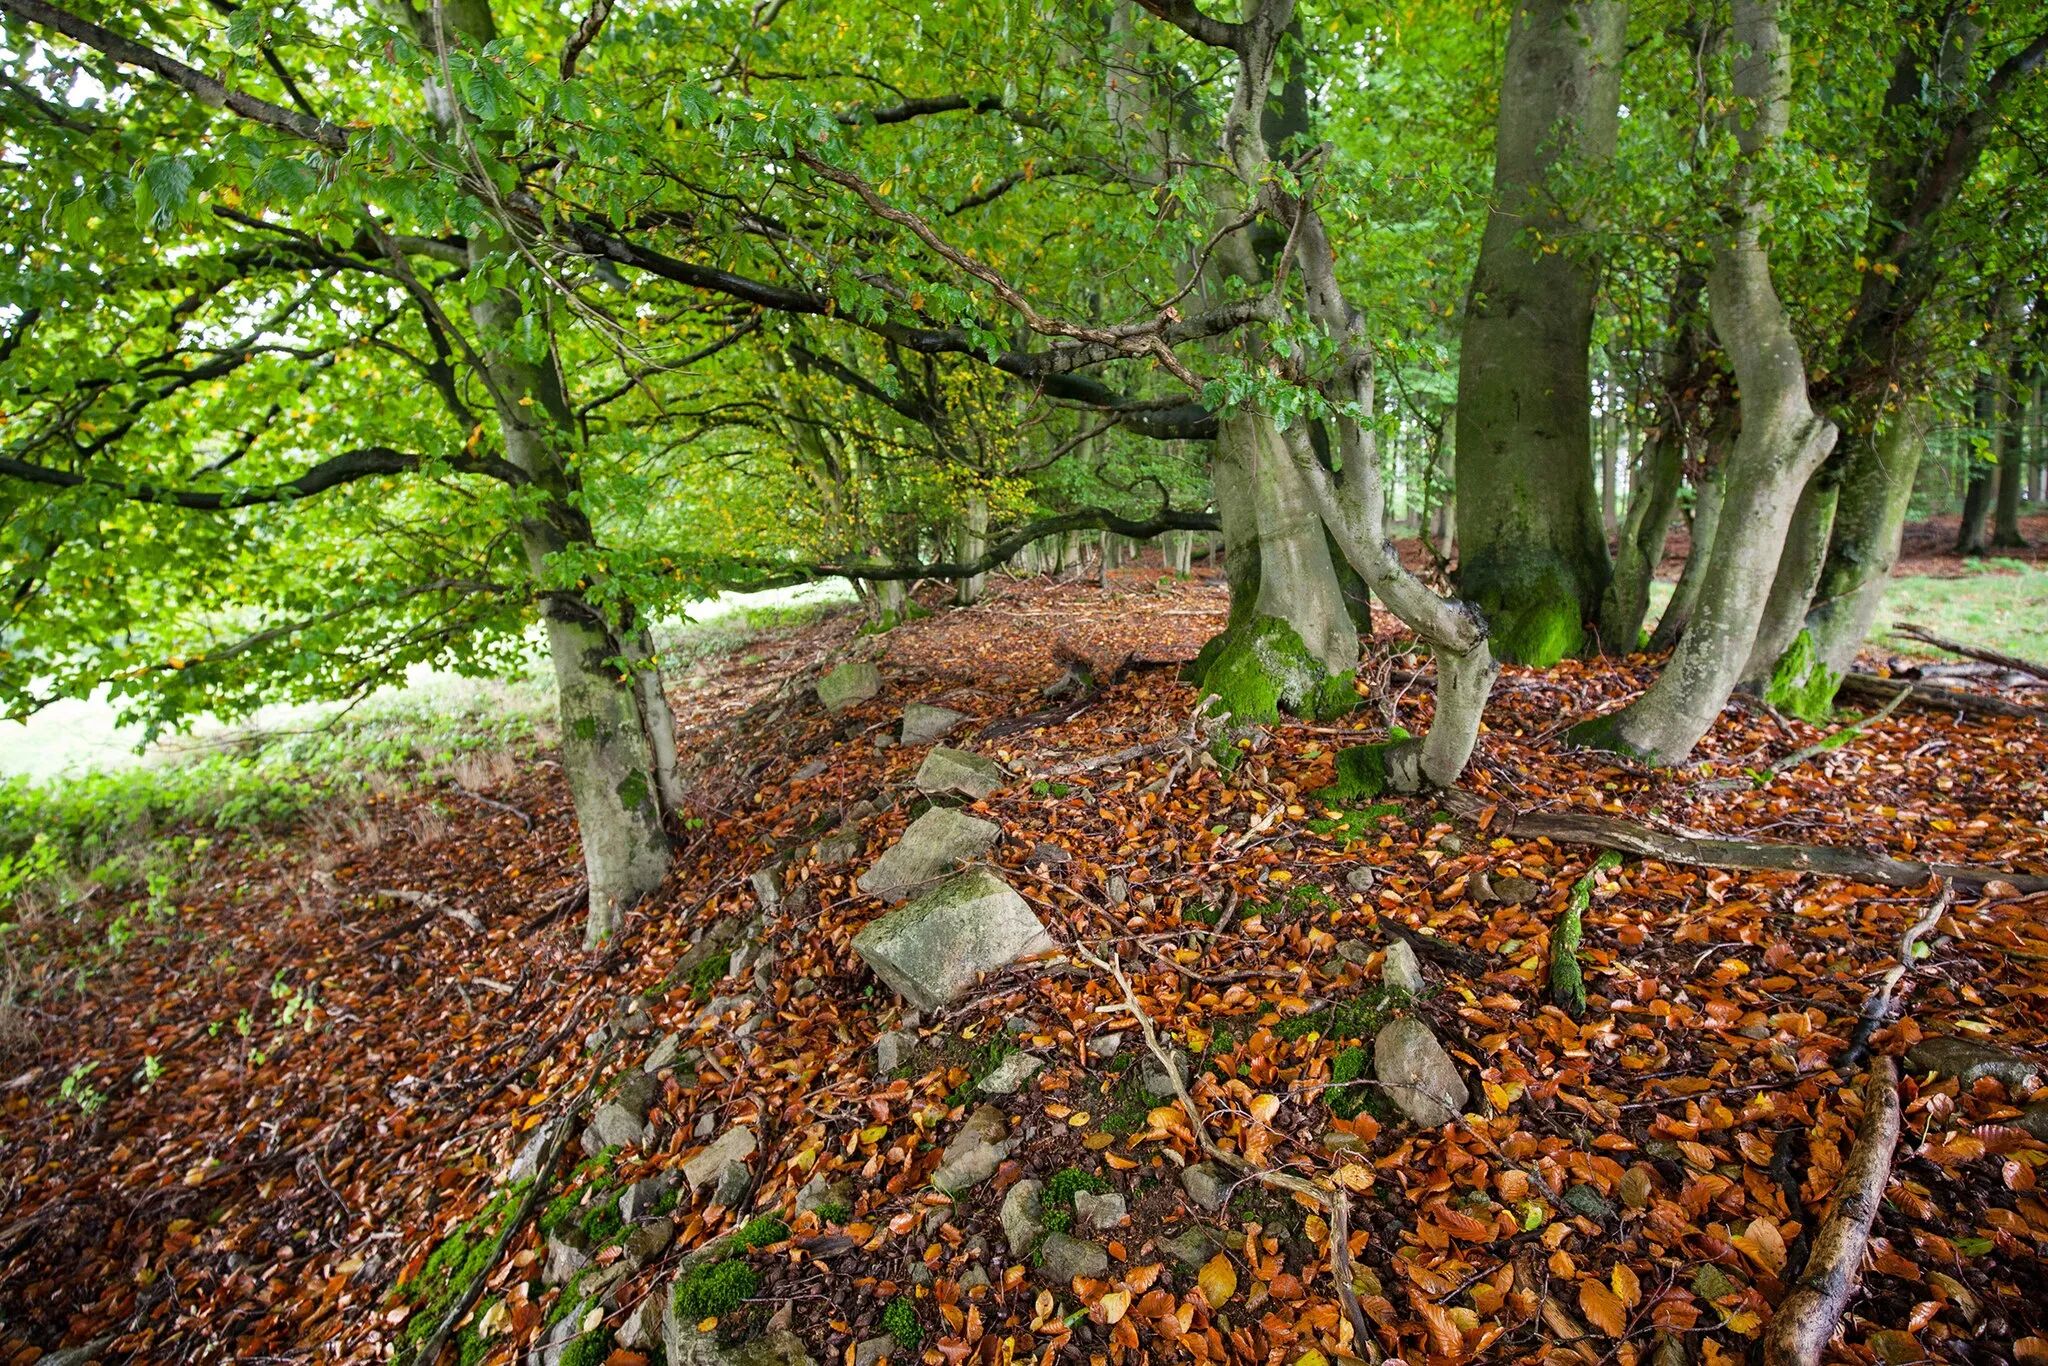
1355,824
1056,1206
715,1290
1260,668
1538,635
1567,981
1604,733
459,1259
1359,1017
708,974
899,1321
1361,772
1801,685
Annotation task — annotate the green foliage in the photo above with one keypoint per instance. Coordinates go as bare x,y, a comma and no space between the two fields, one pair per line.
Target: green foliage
1045,788
1802,685
1567,980
899,1321
835,1212
1305,900
589,1349
602,1222
714,1290
1344,1099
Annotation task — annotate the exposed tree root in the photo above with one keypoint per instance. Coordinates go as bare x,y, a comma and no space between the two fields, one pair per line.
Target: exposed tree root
1800,1330
1879,1003
1632,837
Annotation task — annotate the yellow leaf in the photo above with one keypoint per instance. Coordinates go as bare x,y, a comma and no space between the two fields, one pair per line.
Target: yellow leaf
1355,1176
1602,1308
1078,1118
1097,1142
1218,1280
1264,1107
875,1134
1627,1288
1115,1305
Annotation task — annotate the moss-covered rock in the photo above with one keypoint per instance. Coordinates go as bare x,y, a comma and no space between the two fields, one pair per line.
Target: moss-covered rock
1802,685
1361,771
1259,668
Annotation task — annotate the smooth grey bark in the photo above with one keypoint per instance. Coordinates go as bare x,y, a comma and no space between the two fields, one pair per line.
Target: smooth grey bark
1870,518
617,733
1532,544
970,541
1705,525
1799,569
1782,442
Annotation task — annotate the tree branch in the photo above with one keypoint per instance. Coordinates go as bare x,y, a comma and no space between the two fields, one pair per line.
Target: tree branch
346,468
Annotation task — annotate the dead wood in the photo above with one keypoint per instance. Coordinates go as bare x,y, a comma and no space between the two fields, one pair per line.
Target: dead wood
1879,1003
2002,660
433,905
1632,837
1429,946
1800,1330
1929,697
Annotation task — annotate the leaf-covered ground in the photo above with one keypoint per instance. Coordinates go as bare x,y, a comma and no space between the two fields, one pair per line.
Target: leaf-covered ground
299,1089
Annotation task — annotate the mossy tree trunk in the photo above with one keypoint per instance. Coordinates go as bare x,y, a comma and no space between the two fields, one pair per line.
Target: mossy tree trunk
1782,442
1870,517
1532,546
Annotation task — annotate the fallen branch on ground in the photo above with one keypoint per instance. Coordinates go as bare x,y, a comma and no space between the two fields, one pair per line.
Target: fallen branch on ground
434,905
1429,946
2003,661
1333,1200
1927,695
1800,1330
1632,837
1879,1003
1821,746
495,805
574,899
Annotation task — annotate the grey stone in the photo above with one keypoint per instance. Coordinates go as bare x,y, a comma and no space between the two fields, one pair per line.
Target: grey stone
924,724
939,945
1515,891
1118,889
1047,854
564,1260
1106,1045
817,1193
815,768
527,1163
664,1055
735,1179
1020,1215
974,1278
849,684
1402,970
1360,879
893,1049
1453,844
614,1126
1966,1060
638,1200
1207,1184
841,846
1154,1078
642,1328
632,1020
565,1332
1010,1074
935,844
958,773
685,1346
707,1125
920,1274
767,889
1193,1248
636,1092
1417,1074
734,1145
1354,950
975,1152
1063,1257
885,741
1099,1211
650,1240
2034,1119
874,1350
1583,1199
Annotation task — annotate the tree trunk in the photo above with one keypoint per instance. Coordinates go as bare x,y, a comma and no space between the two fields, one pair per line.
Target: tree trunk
1704,525
1970,538
1870,517
1799,569
1639,549
970,543
1782,442
1532,548
2012,459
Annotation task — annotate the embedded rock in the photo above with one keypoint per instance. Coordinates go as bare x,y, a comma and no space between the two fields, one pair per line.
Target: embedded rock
939,945
1020,1213
893,1049
1010,1074
924,724
1063,1257
1967,1060
849,684
1099,1211
1417,1074
1402,970
734,1145
1207,1184
975,1152
935,844
564,1260
957,773
735,1179
638,1200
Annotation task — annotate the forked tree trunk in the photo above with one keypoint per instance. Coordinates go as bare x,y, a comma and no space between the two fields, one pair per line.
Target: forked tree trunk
1532,546
1870,517
1782,442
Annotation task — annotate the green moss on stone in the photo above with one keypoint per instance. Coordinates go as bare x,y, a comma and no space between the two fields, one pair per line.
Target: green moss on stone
761,1230
715,1290
1344,1099
588,1349
1056,1205
1802,685
1567,980
459,1259
1361,775
1260,668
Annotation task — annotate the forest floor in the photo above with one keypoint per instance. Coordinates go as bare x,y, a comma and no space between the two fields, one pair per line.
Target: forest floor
245,1134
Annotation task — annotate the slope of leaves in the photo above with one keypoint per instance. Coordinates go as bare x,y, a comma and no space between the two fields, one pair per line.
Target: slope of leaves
1648,1175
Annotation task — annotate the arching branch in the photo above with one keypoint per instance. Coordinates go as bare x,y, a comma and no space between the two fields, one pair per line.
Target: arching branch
346,468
